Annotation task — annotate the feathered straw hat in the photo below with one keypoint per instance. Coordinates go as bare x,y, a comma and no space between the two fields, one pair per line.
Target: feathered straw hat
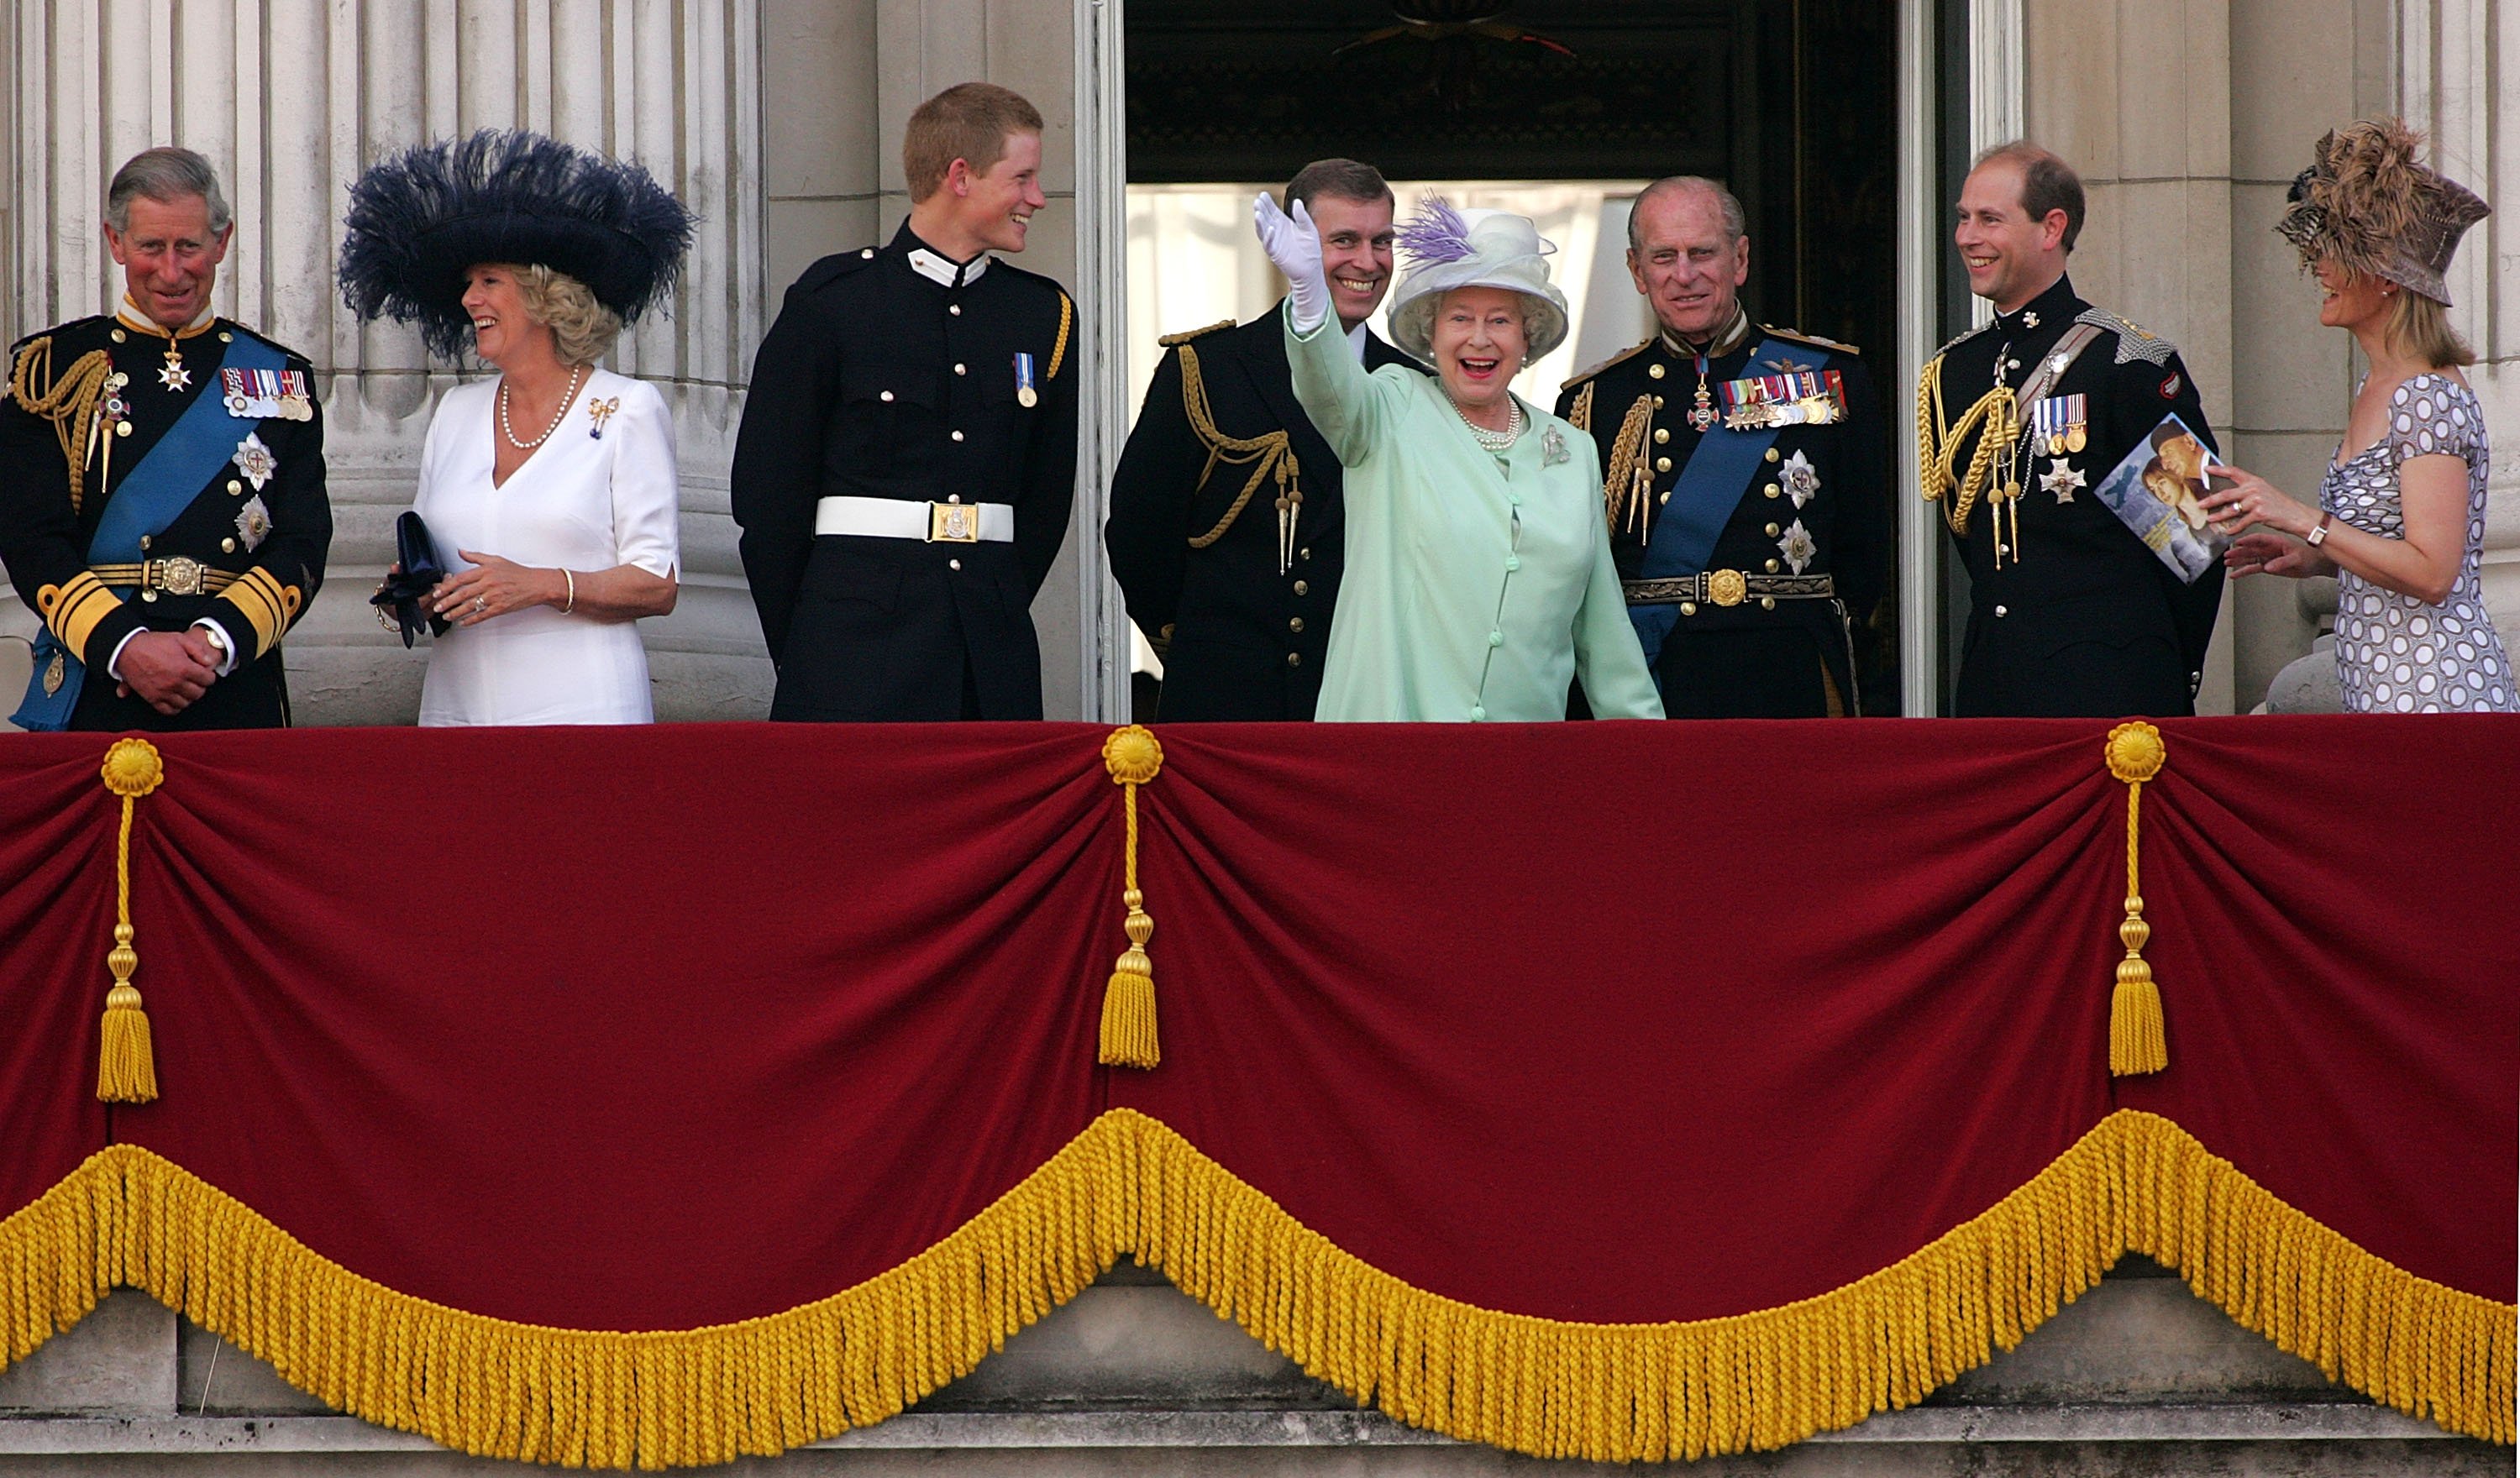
420,219
1452,248
2367,203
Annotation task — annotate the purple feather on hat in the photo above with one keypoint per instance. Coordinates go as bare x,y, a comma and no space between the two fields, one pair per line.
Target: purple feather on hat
1435,233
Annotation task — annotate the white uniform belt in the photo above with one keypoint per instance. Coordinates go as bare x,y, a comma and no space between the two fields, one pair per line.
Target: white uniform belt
934,522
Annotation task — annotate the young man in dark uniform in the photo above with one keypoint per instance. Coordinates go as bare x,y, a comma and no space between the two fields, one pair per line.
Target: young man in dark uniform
2071,614
1226,531
1746,477
161,483
908,454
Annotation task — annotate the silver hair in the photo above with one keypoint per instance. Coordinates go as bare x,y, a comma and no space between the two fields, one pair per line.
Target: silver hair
1736,221
165,175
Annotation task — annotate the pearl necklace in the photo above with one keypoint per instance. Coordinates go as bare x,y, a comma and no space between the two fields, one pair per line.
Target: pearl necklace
574,378
1494,441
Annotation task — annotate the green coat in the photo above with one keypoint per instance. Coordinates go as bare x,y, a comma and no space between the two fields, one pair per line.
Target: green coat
1478,586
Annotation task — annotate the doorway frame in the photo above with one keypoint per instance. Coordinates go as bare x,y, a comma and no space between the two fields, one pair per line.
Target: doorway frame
1992,75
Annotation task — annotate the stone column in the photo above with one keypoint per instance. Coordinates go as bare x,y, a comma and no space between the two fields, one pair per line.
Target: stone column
291,99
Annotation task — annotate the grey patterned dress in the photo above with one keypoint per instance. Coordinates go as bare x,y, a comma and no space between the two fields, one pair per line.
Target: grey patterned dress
2396,653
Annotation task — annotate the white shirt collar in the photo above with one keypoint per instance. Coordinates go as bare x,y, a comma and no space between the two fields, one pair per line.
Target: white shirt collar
129,312
944,271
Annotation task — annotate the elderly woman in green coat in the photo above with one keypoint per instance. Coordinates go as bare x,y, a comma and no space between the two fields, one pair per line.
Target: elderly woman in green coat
1479,581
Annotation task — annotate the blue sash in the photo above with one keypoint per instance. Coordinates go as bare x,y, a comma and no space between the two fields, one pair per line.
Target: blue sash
151,496
1702,500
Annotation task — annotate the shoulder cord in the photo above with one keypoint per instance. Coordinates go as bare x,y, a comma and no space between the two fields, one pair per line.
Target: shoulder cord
1270,455
1627,489
69,404
1938,443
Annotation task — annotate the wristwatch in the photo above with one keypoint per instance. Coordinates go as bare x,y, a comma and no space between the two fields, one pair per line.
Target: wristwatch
211,634
2318,535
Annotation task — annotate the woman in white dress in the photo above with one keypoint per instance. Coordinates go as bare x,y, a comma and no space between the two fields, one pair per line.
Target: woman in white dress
549,492
2401,522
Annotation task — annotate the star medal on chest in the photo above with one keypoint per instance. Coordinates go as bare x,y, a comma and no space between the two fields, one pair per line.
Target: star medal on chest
252,523
600,412
2063,479
1800,479
172,374
1025,395
254,461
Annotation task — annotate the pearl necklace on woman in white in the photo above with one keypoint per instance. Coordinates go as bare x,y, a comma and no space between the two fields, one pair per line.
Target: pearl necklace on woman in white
576,376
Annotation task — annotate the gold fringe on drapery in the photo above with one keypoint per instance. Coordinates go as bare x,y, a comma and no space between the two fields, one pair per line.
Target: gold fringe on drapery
1129,1184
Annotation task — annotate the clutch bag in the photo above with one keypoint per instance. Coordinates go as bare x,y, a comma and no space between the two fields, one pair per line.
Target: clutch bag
407,589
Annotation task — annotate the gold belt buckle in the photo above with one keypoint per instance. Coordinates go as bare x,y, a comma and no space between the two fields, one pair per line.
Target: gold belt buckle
1727,587
178,576
953,524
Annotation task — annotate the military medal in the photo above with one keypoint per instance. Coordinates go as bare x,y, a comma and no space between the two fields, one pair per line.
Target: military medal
255,461
56,672
1701,415
2063,480
1025,395
112,418
252,525
172,374
1799,478
2060,423
1797,397
1797,545
266,394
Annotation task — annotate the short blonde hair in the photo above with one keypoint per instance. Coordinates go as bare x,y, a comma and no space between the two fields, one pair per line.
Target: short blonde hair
970,121
2420,326
583,330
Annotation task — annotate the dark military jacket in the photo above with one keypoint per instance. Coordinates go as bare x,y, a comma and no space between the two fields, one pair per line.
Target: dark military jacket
1818,503
1197,560
2082,621
876,381
270,540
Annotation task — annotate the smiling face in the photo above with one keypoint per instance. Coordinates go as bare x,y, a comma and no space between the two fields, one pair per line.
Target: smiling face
1356,253
1478,342
992,207
2350,300
1687,264
169,257
501,329
2011,259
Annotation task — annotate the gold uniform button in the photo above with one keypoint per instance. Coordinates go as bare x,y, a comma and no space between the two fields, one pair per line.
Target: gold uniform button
1773,567
1767,602
143,543
1302,589
118,336
962,370
122,428
1689,607
953,496
227,546
226,337
1295,659
1663,434
954,308
1666,495
1662,464
149,595
235,489
1654,370
886,395
1658,402
958,435
1771,454
1296,624
1774,491
953,564
1773,531
1304,554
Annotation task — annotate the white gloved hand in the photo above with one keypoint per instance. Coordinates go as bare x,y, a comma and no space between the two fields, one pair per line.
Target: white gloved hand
1296,250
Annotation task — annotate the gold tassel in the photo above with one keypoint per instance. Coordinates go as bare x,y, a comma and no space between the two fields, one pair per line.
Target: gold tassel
1128,1036
126,1065
2138,1042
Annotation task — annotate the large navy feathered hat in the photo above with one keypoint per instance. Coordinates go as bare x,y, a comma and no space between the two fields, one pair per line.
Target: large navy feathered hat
421,218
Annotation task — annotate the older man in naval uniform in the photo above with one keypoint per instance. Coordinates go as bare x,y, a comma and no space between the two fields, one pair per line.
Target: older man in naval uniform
1227,531
161,483
1746,477
908,453
2070,613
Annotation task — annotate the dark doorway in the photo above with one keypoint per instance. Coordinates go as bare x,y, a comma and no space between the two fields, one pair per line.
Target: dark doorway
1792,103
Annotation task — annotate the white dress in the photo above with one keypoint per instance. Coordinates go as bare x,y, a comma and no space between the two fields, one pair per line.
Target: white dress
599,493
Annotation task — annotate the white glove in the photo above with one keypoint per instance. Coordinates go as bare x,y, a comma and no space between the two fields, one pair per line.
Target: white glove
1296,248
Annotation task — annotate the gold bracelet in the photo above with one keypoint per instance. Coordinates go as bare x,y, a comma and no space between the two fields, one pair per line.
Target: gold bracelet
572,591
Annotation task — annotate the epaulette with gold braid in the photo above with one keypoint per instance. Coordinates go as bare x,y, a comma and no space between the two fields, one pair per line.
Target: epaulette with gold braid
1622,357
1815,340
69,401
1171,339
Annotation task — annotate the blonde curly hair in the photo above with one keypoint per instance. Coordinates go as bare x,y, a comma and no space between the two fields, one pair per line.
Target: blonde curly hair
583,330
